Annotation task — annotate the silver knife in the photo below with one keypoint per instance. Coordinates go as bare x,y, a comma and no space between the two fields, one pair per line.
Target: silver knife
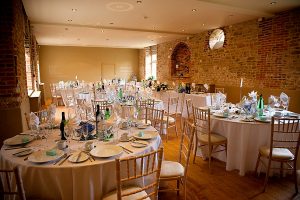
63,160
65,155
79,155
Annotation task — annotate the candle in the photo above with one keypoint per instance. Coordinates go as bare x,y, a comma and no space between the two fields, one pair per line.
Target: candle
173,83
193,85
76,77
241,85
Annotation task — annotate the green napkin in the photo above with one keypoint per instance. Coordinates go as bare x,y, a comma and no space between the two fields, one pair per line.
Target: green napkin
141,134
51,152
25,139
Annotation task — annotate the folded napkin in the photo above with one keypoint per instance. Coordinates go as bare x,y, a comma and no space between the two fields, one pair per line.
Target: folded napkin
284,97
51,152
206,86
90,127
220,98
253,96
34,120
273,101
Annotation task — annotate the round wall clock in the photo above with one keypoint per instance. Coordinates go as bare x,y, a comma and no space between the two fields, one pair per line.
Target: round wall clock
216,39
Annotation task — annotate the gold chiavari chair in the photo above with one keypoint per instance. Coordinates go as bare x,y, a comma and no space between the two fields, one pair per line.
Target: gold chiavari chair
171,170
155,116
217,90
56,97
204,136
142,105
189,110
11,184
101,103
171,115
136,168
283,148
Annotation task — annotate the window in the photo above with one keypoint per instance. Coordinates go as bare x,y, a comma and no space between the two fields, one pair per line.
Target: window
151,62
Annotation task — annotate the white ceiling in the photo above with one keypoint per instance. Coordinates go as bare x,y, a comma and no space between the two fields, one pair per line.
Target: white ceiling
138,25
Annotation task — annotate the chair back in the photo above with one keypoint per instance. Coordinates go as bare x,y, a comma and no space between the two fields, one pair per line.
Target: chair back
144,167
101,103
285,133
186,144
217,90
202,121
172,105
42,115
11,184
156,117
189,108
181,99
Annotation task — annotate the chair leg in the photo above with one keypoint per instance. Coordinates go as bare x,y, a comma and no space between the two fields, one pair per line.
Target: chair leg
281,169
209,157
195,151
176,129
184,189
295,177
267,175
257,163
178,183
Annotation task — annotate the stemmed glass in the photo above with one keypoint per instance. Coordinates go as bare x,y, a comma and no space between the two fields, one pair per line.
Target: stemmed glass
285,105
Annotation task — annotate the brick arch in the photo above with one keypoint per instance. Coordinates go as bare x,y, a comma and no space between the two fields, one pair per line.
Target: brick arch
181,60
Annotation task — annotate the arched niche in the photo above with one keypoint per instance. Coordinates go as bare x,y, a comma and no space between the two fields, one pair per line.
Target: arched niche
181,61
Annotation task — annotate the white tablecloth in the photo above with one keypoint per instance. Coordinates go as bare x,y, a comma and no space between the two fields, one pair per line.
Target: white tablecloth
243,142
87,180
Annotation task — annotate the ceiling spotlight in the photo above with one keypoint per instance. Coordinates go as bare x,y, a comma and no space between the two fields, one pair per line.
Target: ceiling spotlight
138,2
69,20
111,23
194,10
107,39
74,9
203,24
273,2
66,29
182,30
102,31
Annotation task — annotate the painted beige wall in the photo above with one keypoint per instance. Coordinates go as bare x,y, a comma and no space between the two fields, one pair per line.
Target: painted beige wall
64,63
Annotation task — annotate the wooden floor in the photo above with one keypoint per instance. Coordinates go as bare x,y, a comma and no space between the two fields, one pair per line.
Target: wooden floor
222,184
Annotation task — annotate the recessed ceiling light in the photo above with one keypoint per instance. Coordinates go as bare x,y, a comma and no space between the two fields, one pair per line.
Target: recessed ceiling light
203,24
182,30
107,39
74,9
102,30
66,29
138,2
78,39
273,2
111,23
69,20
194,10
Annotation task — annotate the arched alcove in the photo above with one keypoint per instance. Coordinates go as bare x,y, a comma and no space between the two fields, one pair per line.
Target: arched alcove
181,61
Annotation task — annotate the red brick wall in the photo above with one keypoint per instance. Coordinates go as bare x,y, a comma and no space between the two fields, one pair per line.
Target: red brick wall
13,86
265,54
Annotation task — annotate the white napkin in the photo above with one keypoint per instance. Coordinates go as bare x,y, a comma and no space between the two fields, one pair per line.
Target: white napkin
220,98
206,86
34,121
273,101
253,96
284,97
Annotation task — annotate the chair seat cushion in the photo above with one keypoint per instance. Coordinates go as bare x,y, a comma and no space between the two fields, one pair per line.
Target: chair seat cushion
277,153
214,138
171,119
170,169
113,195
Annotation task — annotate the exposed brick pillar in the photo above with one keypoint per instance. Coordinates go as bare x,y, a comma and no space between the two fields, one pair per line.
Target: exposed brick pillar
13,90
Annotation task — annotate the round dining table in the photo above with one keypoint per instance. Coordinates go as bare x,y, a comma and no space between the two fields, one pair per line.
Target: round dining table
91,179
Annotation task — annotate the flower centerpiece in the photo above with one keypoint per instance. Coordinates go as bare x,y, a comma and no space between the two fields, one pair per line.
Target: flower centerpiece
181,88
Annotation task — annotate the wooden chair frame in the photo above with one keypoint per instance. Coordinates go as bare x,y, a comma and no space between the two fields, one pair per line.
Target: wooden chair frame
11,178
172,101
142,105
156,117
202,123
150,164
56,98
101,103
185,147
280,137
219,90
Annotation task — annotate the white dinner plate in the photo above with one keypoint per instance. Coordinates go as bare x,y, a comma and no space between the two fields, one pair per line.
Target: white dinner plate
106,151
142,126
78,157
247,120
42,157
147,135
139,144
221,115
262,120
18,139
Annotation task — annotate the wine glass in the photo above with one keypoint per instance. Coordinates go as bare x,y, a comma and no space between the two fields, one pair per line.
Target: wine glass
85,130
285,105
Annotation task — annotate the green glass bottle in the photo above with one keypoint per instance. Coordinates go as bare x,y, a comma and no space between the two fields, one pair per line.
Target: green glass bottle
260,106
